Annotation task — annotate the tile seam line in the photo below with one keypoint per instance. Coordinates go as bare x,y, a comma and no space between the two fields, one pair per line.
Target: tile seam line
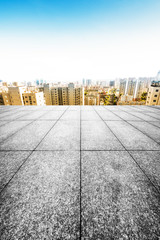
134,127
88,150
9,110
18,118
17,112
5,186
19,129
146,113
80,230
139,118
133,158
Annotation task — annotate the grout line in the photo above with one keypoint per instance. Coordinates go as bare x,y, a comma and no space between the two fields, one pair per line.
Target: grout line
147,114
83,150
20,129
132,157
136,128
140,119
80,179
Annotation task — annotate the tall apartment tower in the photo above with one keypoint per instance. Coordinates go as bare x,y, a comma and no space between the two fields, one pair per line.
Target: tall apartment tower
153,96
16,95
71,94
47,94
67,95
55,96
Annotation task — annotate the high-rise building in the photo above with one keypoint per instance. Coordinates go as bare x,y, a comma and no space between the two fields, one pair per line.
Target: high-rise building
70,95
122,88
153,96
112,83
88,82
47,94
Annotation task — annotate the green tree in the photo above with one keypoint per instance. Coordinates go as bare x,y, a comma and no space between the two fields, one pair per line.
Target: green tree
144,96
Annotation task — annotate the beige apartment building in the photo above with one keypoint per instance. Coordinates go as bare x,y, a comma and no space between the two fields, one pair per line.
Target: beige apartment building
33,98
16,95
153,96
6,98
70,95
47,94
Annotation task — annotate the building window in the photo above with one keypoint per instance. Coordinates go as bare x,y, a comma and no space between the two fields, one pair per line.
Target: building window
157,90
154,100
155,95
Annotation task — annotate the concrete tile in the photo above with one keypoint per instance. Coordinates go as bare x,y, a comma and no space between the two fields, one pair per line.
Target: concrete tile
144,117
149,161
52,115
14,116
107,115
155,123
131,138
3,122
154,115
27,138
96,136
10,128
74,108
118,202
126,116
87,108
71,115
32,115
148,129
9,164
89,116
65,135
42,201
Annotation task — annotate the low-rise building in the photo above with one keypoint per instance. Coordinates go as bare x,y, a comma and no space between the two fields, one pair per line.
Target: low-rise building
153,96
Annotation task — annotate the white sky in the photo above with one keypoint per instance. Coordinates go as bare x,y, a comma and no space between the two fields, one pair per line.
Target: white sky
100,55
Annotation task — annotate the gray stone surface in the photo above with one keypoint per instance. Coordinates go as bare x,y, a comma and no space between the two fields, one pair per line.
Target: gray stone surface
10,128
148,129
27,138
131,138
64,136
79,172
10,161
149,161
42,201
97,136
118,202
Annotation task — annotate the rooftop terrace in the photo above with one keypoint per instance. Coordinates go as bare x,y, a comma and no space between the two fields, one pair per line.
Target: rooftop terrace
79,172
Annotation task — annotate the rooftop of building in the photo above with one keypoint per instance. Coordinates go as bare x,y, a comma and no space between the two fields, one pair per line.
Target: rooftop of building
79,171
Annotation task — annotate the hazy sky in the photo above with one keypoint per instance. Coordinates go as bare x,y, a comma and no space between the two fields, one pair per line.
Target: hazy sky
68,40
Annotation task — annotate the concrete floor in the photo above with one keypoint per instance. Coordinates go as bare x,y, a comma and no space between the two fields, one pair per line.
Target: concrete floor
71,172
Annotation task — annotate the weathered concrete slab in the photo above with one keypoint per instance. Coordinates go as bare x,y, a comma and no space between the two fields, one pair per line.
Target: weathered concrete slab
27,138
148,129
118,202
97,136
10,161
42,201
131,138
149,161
11,128
64,136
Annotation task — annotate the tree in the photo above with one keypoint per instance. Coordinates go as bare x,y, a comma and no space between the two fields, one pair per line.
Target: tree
144,96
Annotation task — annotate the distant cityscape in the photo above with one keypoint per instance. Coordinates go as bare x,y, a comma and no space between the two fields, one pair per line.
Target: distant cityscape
127,91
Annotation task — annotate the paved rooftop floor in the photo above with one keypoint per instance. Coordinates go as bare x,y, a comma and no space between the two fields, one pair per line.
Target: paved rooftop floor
71,172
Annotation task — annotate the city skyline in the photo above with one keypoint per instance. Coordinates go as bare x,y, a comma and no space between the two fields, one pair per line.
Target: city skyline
69,41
